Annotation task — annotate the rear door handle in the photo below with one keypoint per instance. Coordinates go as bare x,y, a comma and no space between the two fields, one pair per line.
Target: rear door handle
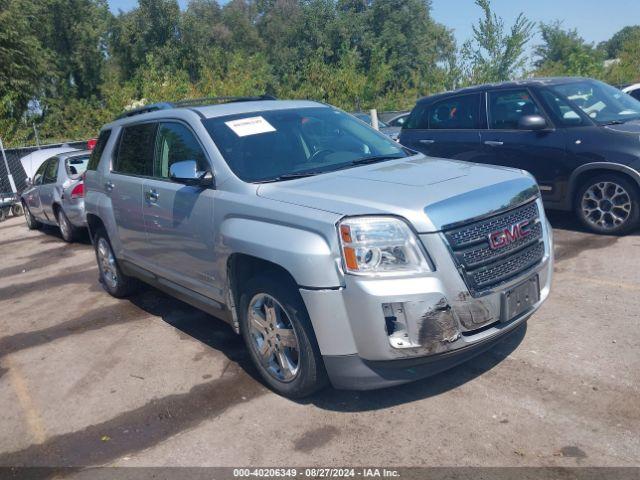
152,196
493,143
108,186
427,142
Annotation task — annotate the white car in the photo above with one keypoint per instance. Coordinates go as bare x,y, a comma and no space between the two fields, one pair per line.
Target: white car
633,90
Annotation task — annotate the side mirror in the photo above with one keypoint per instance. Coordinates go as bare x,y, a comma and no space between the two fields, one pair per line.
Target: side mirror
532,122
187,172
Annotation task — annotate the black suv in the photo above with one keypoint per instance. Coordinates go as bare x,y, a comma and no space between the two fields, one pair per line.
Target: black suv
579,137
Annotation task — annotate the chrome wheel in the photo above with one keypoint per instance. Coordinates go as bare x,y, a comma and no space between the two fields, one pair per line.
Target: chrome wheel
107,263
606,205
65,228
273,337
28,217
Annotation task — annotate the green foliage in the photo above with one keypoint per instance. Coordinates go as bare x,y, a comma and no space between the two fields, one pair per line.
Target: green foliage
69,66
494,55
564,52
615,44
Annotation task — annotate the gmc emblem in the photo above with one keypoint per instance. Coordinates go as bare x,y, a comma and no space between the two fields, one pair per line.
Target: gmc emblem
508,235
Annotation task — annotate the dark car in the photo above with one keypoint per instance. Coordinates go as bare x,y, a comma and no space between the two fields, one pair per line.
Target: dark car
579,137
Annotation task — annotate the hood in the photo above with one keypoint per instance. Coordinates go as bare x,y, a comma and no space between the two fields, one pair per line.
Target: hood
632,126
431,193
31,162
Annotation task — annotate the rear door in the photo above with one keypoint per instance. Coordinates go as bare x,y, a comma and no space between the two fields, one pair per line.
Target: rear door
47,189
540,152
179,217
132,163
447,128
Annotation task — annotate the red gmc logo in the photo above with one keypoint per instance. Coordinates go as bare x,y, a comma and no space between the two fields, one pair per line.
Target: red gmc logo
506,236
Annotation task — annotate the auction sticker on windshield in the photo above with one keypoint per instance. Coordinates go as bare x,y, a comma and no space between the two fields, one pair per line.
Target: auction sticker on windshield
250,126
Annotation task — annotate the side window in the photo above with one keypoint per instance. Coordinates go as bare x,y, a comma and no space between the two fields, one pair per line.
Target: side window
418,118
457,113
564,113
51,172
94,160
635,93
39,175
176,143
135,153
507,107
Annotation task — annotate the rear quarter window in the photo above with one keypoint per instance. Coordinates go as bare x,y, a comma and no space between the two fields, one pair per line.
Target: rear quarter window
94,159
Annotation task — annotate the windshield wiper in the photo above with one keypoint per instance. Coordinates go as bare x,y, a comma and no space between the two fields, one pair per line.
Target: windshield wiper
290,176
374,159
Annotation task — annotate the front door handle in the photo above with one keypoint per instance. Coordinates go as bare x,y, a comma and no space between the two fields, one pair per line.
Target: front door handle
108,186
493,143
427,141
151,196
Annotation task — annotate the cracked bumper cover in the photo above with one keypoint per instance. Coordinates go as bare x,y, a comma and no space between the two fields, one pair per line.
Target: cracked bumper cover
445,325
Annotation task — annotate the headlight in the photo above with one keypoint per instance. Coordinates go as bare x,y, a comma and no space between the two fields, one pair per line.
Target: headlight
380,245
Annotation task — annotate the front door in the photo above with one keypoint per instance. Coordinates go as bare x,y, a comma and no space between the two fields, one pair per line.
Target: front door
32,196
542,153
179,218
448,128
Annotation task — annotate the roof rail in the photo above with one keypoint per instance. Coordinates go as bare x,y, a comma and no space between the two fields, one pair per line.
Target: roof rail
146,109
195,102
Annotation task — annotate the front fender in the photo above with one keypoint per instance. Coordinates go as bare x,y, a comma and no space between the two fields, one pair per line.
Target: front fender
307,255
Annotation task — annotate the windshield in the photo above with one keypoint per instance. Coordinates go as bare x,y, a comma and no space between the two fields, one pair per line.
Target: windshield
603,103
77,165
365,117
274,145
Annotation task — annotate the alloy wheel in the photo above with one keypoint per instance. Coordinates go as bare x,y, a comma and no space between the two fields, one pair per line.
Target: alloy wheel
107,263
273,337
65,228
607,205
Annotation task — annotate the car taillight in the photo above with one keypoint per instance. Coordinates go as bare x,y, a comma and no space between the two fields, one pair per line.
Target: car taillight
78,191
91,143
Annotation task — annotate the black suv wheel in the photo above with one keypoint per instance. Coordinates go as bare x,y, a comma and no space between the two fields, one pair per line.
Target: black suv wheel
277,331
609,204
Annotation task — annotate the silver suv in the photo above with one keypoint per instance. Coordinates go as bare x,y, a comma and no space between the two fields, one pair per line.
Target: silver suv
335,252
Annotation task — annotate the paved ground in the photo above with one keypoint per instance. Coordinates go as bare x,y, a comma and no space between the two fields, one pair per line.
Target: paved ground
89,380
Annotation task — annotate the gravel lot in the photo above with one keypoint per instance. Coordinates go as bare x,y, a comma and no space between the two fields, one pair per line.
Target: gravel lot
86,379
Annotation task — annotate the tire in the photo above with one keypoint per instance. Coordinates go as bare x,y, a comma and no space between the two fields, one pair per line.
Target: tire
3,214
17,210
116,283
67,230
285,336
608,204
32,223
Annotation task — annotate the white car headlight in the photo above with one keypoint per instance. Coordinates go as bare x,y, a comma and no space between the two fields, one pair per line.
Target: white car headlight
380,245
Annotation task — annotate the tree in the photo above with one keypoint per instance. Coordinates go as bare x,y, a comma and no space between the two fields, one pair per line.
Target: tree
564,52
627,69
614,45
494,55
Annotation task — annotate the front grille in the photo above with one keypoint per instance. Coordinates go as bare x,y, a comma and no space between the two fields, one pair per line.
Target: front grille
484,268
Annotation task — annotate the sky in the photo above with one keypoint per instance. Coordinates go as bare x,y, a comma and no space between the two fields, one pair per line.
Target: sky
596,20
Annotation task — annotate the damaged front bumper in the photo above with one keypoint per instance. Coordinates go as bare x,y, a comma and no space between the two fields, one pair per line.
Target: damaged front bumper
403,329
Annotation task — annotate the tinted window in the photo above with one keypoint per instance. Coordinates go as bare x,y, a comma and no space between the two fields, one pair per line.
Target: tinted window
76,165
457,113
135,154
94,160
51,171
267,145
636,94
507,107
418,118
176,143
